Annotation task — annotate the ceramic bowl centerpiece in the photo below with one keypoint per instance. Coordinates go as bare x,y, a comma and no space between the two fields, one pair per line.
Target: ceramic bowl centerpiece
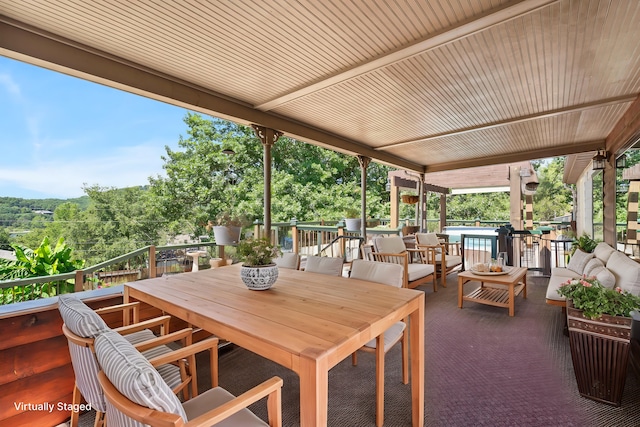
258,271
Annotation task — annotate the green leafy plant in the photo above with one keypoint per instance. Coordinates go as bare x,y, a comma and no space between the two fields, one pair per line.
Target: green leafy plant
229,219
43,261
588,295
352,213
584,243
254,252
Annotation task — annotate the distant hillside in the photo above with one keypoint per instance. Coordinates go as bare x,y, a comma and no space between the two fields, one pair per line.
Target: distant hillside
18,213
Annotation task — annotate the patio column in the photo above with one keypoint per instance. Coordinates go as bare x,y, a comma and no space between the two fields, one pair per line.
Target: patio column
268,137
609,201
443,212
584,204
515,196
395,205
364,164
421,220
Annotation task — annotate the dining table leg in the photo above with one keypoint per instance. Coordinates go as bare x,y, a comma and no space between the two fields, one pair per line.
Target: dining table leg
416,346
314,392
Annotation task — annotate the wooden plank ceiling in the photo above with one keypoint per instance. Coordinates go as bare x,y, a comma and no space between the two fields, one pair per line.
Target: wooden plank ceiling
423,85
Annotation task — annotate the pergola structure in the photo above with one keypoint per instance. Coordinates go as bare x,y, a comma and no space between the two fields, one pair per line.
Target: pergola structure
424,86
516,178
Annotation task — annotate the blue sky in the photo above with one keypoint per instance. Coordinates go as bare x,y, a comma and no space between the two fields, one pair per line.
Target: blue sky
59,132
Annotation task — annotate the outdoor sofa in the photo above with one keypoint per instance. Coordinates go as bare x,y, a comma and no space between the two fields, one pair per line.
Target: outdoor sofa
610,266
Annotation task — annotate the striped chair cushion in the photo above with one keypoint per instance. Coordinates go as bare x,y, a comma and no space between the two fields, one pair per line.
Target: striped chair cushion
85,367
169,373
80,318
133,375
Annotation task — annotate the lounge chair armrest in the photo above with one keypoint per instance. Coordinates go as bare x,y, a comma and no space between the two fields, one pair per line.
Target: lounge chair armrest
271,388
162,321
166,339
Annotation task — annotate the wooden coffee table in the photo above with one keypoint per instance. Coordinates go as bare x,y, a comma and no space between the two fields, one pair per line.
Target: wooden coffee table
504,295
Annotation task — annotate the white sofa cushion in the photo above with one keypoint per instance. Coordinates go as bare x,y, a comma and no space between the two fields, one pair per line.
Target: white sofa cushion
626,272
559,276
579,260
603,251
592,267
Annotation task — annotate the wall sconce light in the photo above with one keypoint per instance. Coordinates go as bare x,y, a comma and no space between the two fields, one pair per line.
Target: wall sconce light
621,162
599,161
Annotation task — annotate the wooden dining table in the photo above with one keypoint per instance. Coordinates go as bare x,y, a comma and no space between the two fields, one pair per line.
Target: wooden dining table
306,322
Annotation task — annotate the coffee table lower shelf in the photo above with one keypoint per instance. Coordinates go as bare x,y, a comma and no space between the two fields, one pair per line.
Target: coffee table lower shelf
490,295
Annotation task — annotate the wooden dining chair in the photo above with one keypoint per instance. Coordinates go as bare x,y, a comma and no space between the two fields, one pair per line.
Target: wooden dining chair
138,396
81,325
440,256
324,265
392,249
393,275
289,260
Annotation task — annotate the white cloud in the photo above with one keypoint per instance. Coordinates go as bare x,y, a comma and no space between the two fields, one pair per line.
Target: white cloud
10,85
64,178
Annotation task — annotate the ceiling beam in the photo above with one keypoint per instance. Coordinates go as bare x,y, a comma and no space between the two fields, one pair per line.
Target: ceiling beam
531,117
22,42
626,132
542,153
467,28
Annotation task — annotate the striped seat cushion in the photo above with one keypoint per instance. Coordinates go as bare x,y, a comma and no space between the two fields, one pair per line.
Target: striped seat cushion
80,318
169,373
133,375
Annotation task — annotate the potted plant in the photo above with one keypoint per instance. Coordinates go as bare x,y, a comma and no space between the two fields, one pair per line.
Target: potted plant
585,243
227,228
258,271
599,321
352,219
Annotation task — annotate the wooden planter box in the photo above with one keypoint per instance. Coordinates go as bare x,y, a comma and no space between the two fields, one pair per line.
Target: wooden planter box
600,354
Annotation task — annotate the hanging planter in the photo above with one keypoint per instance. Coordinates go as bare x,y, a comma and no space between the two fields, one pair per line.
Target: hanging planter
409,199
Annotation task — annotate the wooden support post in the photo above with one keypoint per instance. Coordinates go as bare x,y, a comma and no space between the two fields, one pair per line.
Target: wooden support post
364,164
268,137
79,283
152,262
443,212
294,236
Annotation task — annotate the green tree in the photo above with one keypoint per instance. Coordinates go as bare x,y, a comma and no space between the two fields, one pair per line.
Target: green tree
309,182
552,198
45,260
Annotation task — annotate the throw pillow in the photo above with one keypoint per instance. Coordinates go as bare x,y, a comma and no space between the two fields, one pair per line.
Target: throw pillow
133,375
578,261
593,265
605,277
603,251
627,272
80,318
